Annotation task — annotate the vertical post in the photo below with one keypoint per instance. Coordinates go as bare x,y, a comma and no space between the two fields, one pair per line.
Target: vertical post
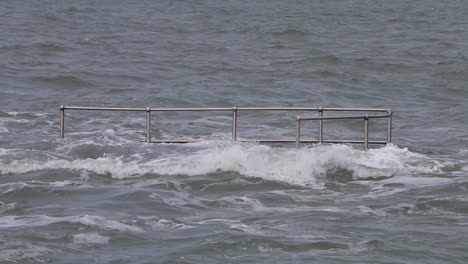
234,123
298,131
148,124
389,127
320,109
62,121
366,132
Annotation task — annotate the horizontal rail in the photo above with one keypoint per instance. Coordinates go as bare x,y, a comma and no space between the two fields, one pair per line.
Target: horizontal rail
191,109
342,117
329,109
278,108
235,110
366,119
307,141
103,108
162,109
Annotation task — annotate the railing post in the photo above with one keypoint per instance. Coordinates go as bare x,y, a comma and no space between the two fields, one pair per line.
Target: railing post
366,132
320,109
389,127
148,124
234,123
298,131
62,121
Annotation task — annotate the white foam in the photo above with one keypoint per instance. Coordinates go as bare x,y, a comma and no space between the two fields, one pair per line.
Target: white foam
62,183
380,189
246,229
6,207
370,211
84,177
90,238
16,186
245,201
12,187
163,224
114,166
12,221
416,182
14,113
4,151
25,254
303,167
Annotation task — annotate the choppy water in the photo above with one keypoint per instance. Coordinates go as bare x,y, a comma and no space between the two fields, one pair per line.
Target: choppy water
103,196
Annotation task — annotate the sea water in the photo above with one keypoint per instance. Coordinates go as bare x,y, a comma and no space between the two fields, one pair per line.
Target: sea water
102,195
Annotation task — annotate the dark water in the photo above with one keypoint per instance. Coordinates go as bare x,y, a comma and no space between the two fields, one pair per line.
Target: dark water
103,196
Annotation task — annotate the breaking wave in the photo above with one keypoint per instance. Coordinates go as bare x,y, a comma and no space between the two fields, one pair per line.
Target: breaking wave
301,167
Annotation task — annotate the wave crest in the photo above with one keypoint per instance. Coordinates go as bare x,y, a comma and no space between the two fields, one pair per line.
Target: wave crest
306,166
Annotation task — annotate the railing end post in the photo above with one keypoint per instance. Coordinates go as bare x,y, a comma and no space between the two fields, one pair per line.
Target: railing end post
234,123
62,121
389,126
148,124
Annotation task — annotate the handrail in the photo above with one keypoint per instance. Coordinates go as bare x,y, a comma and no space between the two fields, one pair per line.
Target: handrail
102,108
235,110
366,126
343,117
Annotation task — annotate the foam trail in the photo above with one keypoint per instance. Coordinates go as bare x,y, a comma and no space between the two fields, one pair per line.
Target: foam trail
11,221
27,253
90,238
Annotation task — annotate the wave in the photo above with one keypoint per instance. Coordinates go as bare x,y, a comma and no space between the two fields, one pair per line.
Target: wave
26,253
62,81
46,46
451,75
306,167
90,239
12,221
289,32
72,10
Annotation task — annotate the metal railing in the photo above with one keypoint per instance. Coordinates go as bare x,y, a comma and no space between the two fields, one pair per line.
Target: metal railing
234,110
366,118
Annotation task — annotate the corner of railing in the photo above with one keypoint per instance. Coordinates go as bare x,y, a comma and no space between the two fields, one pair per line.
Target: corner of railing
62,121
389,126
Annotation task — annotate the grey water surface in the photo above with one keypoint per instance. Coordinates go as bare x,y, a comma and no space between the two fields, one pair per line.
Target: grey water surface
102,195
